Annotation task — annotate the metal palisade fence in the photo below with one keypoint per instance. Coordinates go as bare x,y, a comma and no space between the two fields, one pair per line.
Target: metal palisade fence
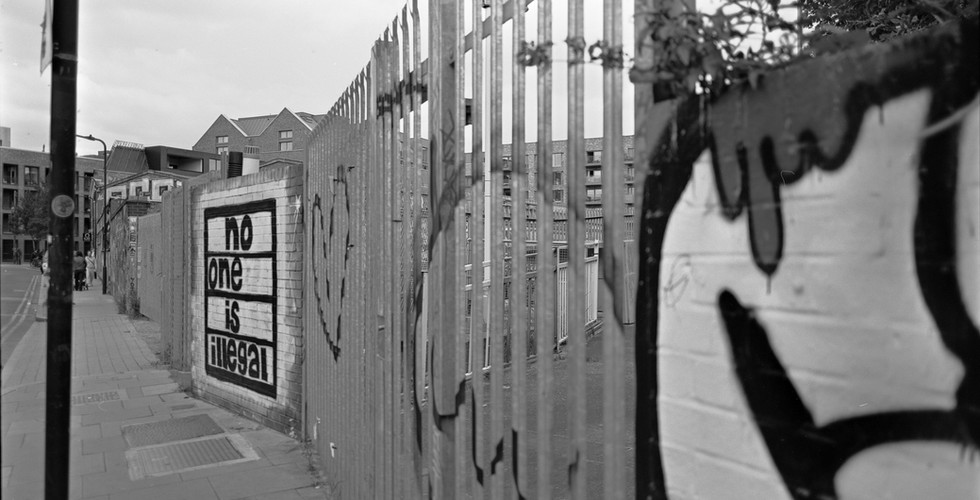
415,384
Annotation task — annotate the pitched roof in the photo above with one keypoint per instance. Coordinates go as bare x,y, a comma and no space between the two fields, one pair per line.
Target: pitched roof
309,119
254,125
126,157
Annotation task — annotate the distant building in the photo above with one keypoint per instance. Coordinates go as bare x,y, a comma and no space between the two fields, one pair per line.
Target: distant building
25,171
593,184
128,158
271,139
143,173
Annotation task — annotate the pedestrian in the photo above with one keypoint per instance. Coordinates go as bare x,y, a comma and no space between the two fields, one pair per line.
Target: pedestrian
17,255
78,263
90,267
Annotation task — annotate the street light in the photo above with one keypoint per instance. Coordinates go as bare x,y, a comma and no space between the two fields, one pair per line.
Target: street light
105,206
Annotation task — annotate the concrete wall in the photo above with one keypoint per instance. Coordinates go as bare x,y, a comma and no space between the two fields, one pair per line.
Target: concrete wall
245,295
810,287
150,278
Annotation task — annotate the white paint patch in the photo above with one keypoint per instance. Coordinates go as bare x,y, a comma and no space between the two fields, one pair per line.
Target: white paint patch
968,215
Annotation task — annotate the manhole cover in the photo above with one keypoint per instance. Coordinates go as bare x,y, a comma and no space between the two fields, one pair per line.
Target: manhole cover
98,397
166,431
171,458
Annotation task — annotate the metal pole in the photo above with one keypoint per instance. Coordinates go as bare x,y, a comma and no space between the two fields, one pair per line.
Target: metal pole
64,76
105,207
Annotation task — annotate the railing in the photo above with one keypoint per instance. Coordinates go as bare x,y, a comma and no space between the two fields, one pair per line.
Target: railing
388,341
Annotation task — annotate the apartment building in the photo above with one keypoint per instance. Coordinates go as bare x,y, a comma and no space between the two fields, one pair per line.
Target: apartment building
25,171
271,139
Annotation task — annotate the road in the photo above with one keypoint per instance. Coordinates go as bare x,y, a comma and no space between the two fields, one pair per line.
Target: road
18,296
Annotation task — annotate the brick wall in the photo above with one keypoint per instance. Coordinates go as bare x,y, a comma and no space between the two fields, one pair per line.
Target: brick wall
245,297
150,279
122,259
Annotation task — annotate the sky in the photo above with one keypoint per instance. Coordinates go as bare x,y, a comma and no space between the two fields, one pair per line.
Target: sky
159,72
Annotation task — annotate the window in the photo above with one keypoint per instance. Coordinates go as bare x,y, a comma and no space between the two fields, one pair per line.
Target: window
213,165
285,134
222,150
222,139
32,176
162,189
629,153
9,199
557,160
286,146
9,173
593,157
559,195
558,178
139,191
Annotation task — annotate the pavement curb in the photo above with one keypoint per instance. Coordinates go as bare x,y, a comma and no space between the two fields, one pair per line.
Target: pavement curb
41,311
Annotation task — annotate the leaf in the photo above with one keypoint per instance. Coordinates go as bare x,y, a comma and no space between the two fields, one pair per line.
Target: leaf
684,54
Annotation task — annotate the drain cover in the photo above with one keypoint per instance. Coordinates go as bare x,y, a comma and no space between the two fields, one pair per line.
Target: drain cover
171,458
98,397
166,431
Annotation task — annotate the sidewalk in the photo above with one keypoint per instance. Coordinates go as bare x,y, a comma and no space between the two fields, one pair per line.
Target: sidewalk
134,433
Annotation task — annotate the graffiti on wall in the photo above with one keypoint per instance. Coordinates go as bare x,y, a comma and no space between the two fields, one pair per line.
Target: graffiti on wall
808,285
240,298
335,240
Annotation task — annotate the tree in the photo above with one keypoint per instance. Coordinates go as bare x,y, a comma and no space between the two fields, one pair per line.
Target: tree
30,215
742,39
883,19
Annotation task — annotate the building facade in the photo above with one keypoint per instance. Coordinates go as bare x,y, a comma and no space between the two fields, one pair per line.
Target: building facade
272,139
25,171
139,173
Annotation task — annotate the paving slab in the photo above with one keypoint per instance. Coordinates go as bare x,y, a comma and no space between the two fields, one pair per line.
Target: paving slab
113,482
119,415
257,482
117,381
199,489
87,464
160,389
103,444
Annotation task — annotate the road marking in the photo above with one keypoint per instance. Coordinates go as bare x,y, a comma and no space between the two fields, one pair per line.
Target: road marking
21,310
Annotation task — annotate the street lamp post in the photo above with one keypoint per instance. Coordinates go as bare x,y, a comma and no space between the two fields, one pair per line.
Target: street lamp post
105,206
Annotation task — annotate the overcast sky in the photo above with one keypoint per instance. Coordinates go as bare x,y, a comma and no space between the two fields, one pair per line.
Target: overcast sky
159,72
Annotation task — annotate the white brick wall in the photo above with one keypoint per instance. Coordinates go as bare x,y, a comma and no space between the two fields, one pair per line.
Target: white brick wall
284,185
844,313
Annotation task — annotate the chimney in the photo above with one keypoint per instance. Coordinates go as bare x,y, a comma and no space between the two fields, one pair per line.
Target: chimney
234,164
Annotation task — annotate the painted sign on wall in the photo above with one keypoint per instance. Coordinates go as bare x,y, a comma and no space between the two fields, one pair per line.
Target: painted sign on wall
240,297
